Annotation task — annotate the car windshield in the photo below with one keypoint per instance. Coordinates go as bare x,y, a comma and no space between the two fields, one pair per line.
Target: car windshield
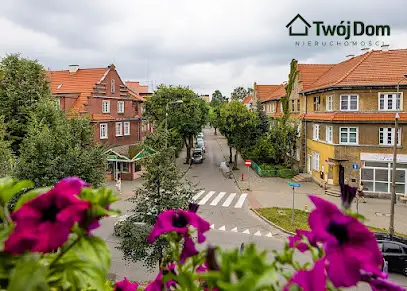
196,154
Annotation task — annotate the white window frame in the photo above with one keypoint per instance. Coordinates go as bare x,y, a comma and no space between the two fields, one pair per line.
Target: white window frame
120,109
281,108
315,131
348,135
106,109
329,134
119,128
112,86
315,161
273,107
329,103
317,103
385,131
105,131
348,97
126,125
394,101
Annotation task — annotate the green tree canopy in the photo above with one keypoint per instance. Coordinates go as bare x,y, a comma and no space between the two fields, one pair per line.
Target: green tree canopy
6,156
217,98
23,84
56,147
239,93
164,188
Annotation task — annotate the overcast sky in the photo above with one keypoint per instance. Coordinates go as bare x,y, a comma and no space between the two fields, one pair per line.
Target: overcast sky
208,45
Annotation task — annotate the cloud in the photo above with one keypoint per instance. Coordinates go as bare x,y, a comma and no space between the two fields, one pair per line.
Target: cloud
208,45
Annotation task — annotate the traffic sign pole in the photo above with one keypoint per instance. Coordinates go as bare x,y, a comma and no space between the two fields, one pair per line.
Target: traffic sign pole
292,213
248,176
248,163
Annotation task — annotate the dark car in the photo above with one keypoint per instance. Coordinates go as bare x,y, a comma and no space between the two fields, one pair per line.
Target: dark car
394,250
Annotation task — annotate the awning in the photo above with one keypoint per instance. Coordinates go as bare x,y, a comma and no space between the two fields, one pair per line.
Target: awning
144,153
115,157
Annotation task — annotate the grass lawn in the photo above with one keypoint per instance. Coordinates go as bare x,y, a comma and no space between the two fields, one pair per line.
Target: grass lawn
300,219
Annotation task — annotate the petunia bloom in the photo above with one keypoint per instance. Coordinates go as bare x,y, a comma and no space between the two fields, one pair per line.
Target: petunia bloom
312,280
348,193
125,285
349,246
44,223
189,249
379,282
158,284
178,221
297,240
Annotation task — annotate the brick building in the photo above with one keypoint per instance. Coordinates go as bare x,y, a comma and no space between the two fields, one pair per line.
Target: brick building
348,121
248,101
113,109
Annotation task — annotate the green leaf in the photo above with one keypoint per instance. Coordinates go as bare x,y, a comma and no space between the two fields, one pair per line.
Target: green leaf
7,192
94,250
28,275
29,196
74,273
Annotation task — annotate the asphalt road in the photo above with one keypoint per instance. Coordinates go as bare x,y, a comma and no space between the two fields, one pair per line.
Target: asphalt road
222,204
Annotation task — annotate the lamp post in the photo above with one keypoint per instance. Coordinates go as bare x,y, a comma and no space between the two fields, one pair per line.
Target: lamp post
393,180
166,120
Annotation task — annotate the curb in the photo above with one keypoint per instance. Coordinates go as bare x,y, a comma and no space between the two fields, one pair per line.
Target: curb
270,223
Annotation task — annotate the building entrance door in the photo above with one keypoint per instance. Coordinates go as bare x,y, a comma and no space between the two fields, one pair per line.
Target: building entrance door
341,175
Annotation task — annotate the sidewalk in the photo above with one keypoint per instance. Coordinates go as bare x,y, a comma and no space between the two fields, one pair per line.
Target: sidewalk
275,192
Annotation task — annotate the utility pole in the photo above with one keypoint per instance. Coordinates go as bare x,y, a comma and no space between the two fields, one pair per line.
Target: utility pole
395,141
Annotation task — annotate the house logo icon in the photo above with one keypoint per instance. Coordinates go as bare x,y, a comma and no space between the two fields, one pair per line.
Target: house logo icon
301,26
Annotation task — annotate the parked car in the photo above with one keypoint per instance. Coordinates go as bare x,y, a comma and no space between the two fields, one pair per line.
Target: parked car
200,144
198,156
200,135
394,250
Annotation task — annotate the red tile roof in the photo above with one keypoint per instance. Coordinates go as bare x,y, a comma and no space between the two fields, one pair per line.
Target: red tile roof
136,96
277,94
136,87
263,91
351,116
81,82
373,68
247,99
309,73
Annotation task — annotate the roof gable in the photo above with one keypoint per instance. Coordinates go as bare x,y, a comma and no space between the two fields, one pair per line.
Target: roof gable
263,91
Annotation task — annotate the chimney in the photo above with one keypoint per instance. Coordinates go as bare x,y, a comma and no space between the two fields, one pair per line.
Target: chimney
73,69
385,47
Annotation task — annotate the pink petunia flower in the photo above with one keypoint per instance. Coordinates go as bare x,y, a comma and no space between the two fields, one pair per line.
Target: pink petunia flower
44,223
178,221
158,284
296,240
349,246
125,285
312,280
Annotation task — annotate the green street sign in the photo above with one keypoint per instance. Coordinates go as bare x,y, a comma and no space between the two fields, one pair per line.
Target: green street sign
291,184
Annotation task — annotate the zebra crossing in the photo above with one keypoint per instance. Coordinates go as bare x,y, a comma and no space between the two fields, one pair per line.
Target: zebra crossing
246,231
222,199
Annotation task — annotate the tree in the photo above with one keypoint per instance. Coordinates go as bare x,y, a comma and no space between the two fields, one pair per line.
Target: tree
239,93
214,118
163,189
242,126
263,119
187,118
290,84
6,156
23,84
217,99
56,147
250,90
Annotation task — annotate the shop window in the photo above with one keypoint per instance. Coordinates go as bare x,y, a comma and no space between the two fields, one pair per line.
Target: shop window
125,167
367,174
376,164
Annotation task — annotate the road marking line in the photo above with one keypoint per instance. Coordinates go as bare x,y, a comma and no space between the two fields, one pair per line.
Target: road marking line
241,200
234,230
229,200
222,228
269,234
258,233
246,231
206,198
218,198
213,226
199,194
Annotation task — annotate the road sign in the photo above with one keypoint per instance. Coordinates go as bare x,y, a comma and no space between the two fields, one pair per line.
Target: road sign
248,163
294,184
355,166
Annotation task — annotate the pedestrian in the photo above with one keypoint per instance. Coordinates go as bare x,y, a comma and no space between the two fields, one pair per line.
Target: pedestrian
119,184
360,192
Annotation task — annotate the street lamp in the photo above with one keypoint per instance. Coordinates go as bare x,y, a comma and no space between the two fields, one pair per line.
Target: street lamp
166,119
393,180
